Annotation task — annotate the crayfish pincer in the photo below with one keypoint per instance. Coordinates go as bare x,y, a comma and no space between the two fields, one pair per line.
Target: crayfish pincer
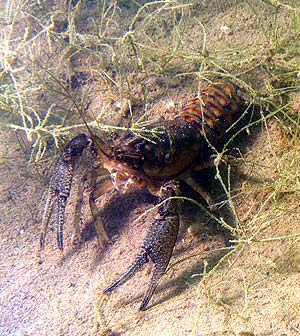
158,244
164,155
60,186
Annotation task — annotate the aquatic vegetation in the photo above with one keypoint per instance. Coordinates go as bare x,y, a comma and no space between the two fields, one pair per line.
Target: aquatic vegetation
45,86
108,66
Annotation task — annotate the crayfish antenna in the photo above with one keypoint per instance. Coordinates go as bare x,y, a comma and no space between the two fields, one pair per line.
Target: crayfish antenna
100,147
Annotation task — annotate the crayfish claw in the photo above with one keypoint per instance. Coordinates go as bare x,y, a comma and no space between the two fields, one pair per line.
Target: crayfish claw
138,264
61,203
60,186
46,216
158,244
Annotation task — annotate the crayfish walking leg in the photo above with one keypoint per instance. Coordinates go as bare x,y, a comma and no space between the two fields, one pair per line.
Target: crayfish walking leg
158,244
98,189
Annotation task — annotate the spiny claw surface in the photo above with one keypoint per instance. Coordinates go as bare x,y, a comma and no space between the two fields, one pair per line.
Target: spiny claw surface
60,186
158,244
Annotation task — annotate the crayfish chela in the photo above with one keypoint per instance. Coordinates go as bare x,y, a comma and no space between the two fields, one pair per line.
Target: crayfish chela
169,152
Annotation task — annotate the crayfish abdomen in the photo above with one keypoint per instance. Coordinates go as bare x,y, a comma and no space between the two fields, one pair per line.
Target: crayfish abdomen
214,112
159,157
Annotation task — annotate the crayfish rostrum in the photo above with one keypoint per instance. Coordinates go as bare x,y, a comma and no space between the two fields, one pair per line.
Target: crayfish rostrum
168,152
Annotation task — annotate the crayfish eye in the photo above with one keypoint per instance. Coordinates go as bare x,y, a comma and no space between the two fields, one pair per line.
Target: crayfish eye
76,146
118,153
148,147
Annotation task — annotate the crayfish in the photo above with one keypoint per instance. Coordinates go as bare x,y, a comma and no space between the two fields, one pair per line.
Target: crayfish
169,152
